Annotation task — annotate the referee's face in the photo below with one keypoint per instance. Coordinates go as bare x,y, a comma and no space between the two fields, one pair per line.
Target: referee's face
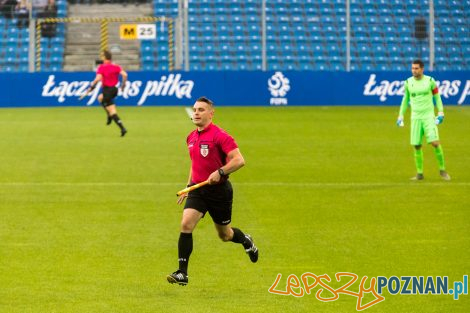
202,114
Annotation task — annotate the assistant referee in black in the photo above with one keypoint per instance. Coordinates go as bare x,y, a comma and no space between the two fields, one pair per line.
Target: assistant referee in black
214,155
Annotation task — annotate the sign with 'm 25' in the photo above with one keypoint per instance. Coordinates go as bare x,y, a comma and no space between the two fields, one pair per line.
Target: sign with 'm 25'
137,31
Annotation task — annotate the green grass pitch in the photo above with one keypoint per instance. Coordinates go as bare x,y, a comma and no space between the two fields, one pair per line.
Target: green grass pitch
89,220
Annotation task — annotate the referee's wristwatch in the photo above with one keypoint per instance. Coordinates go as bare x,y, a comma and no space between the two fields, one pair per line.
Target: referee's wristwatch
221,172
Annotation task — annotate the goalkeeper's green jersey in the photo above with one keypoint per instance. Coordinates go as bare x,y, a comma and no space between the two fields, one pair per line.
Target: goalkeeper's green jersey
419,96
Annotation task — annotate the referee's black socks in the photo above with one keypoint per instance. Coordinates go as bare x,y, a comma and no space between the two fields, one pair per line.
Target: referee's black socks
118,121
239,237
185,247
109,119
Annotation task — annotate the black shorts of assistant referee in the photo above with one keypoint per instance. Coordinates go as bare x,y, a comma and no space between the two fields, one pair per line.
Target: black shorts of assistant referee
109,93
215,199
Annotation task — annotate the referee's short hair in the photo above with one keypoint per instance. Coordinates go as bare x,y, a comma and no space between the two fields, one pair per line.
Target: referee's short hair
419,62
107,55
206,100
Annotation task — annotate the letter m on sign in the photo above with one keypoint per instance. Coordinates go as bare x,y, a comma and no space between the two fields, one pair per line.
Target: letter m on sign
128,31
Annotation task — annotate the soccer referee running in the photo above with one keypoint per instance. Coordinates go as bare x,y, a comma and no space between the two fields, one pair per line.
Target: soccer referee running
214,155
420,90
108,73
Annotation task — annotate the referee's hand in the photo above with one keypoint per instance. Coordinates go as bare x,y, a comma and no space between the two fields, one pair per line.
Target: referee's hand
214,178
181,198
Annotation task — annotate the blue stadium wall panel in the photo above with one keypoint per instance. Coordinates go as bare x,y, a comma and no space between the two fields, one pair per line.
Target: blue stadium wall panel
234,88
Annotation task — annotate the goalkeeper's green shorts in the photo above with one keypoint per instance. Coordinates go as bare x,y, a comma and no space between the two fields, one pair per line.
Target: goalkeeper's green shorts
426,127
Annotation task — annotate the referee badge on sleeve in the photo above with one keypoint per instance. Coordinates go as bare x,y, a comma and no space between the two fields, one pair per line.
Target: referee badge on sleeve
204,150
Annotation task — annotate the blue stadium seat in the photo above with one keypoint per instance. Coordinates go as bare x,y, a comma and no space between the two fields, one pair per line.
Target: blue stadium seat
310,34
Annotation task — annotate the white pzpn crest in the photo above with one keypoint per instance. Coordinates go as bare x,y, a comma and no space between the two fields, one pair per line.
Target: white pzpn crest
278,85
204,150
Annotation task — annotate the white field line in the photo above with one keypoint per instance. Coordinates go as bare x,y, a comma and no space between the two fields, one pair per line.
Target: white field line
189,111
254,184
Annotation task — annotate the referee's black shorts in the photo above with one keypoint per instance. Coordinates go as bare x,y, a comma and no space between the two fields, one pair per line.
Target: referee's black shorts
215,199
109,93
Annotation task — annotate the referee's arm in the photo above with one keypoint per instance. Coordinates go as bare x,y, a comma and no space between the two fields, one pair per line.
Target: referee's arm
98,78
124,79
236,161
185,195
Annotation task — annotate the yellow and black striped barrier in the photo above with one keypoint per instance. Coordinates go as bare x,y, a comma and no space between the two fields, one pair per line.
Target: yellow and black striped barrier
100,19
104,34
38,47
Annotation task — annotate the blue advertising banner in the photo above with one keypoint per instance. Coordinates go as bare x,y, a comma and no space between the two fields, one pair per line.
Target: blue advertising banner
231,88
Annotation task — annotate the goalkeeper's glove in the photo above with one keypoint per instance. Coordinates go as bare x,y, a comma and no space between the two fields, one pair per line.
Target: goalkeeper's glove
400,122
440,118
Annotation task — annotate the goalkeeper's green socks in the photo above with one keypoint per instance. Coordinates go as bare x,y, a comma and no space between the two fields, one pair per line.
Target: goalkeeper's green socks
440,157
419,161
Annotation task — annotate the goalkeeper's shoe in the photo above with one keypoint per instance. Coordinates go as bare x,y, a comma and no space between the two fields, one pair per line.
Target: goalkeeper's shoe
444,175
179,277
251,250
418,176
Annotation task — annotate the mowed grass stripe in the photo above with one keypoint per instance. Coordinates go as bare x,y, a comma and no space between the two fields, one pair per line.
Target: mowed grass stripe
89,220
258,184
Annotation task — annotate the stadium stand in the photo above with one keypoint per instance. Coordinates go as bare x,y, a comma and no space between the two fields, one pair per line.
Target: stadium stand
311,34
14,41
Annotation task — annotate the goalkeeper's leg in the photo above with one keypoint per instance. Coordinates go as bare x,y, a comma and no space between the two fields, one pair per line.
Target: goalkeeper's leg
440,160
419,163
416,136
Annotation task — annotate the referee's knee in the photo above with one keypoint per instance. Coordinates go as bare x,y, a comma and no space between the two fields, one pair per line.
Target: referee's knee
187,227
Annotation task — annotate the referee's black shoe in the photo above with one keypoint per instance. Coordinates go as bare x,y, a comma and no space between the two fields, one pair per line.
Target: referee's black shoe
109,120
123,132
252,250
179,277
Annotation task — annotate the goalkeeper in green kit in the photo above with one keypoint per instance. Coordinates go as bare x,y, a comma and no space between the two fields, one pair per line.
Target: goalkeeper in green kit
420,91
